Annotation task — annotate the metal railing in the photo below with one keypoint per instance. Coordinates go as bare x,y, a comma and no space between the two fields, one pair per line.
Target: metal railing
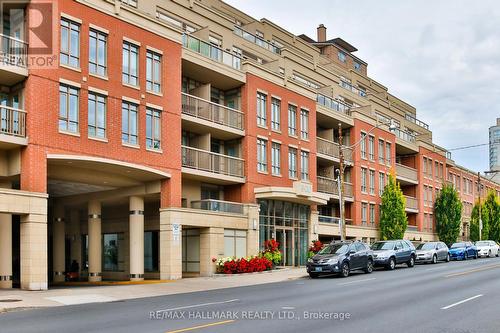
329,185
331,148
199,159
328,219
414,120
350,87
13,52
256,40
12,121
218,206
412,228
404,135
411,202
213,112
211,51
406,172
333,104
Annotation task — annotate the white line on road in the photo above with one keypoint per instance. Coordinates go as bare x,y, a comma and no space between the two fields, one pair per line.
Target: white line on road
357,281
461,302
288,307
436,268
198,305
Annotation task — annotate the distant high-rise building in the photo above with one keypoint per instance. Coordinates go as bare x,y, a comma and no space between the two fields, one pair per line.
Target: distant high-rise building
495,147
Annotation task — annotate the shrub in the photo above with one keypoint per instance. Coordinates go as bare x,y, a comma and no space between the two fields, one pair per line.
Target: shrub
315,247
271,251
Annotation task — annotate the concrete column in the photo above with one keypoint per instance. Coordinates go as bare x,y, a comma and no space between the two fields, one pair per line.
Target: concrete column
170,246
95,244
211,246
312,228
58,244
252,212
34,252
76,237
136,229
5,251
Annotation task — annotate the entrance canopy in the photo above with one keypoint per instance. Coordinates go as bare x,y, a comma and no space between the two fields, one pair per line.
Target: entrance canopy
301,192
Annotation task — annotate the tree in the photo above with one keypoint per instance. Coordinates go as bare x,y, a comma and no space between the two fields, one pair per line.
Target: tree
393,219
490,215
448,213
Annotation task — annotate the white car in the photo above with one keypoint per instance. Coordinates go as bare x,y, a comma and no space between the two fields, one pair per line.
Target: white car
487,248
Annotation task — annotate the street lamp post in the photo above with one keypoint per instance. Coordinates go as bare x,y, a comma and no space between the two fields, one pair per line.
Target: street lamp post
480,217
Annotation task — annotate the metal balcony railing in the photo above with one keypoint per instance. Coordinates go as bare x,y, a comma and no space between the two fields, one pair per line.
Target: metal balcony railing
12,121
13,52
411,202
414,120
406,172
218,206
332,149
256,40
329,185
213,112
211,51
352,88
333,104
405,135
199,159
328,219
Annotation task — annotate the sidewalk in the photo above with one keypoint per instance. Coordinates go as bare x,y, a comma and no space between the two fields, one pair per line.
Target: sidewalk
16,299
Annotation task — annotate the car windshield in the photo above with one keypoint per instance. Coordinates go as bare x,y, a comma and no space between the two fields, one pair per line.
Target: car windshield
458,245
426,246
383,246
482,243
335,249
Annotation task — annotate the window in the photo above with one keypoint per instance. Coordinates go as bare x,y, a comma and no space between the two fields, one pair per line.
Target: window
372,215
304,124
425,166
304,165
363,145
276,158
68,109
151,251
371,148
357,66
425,195
130,63
381,151
372,182
292,163
97,52
70,43
275,114
436,169
153,71
363,179
364,208
261,155
292,120
97,116
388,153
129,123
341,56
132,3
261,109
112,252
235,243
381,183
153,129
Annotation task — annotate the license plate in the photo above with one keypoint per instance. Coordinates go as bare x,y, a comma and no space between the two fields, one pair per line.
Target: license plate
318,269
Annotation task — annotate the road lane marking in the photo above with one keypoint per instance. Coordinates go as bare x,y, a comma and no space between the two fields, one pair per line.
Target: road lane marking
480,269
436,268
357,281
198,305
288,307
461,302
201,326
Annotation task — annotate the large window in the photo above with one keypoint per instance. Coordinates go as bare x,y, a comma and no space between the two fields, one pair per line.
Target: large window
372,215
371,148
262,155
129,123
381,183
388,153
304,124
276,158
363,179
275,114
70,43
372,182
381,151
112,252
153,71
151,251
292,120
97,52
362,145
261,109
364,209
153,129
235,243
304,165
292,163
97,116
68,109
130,64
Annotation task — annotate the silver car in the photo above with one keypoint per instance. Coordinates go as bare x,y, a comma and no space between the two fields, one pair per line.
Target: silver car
432,252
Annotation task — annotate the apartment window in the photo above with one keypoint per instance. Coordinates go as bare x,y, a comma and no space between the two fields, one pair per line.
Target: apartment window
371,148
292,163
68,109
363,179
70,43
381,151
342,57
129,123
425,195
275,114
388,153
304,165
292,120
436,169
364,208
153,71
97,115
430,168
235,243
132,3
262,155
381,183
431,197
304,124
97,52
372,182
425,166
372,215
357,66
363,145
261,109
153,129
130,64
276,158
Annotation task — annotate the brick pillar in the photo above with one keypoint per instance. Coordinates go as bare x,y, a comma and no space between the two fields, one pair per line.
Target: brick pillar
211,246
34,252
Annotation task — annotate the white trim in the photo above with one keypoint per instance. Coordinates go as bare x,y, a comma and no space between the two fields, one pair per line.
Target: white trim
294,104
76,69
71,18
155,50
276,97
70,83
95,27
154,106
293,146
305,149
262,92
262,137
276,141
98,91
131,100
130,40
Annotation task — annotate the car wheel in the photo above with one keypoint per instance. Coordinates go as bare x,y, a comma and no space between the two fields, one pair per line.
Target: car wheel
411,262
475,255
392,264
313,275
448,257
497,254
489,254
345,270
434,259
466,256
369,267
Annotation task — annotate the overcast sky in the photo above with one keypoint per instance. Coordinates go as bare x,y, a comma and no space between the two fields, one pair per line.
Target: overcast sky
442,57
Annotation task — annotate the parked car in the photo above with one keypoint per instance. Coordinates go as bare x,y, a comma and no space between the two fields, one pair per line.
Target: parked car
432,252
341,258
463,250
394,252
487,248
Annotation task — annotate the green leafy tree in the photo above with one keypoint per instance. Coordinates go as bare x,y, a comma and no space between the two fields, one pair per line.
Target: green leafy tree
393,219
448,213
490,215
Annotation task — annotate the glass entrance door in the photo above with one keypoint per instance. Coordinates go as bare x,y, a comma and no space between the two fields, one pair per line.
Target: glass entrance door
284,236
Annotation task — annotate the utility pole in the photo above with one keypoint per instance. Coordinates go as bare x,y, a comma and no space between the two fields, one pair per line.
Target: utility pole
343,231
479,194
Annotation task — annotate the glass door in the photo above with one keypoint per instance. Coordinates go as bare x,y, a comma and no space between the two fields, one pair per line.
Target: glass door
285,237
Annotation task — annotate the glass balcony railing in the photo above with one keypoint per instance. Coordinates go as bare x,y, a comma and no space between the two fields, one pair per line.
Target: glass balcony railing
13,52
350,87
12,121
333,104
218,206
405,135
211,51
328,219
204,160
256,40
414,120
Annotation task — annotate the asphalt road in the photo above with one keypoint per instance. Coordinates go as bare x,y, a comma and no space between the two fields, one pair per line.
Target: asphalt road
447,297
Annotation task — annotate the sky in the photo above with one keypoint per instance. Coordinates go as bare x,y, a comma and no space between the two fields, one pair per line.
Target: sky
442,57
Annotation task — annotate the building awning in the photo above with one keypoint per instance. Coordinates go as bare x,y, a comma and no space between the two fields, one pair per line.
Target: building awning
301,193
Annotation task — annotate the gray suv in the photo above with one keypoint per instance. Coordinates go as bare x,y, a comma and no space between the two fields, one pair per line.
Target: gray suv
390,253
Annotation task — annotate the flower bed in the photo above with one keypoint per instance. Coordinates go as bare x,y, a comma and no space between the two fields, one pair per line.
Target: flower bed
231,265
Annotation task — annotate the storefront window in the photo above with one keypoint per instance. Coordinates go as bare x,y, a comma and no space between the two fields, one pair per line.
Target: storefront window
111,252
151,251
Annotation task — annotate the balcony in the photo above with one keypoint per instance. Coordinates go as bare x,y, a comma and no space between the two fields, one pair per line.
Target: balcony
408,137
412,228
13,60
328,219
211,51
414,120
256,40
348,86
406,175
333,104
204,164
411,204
329,185
218,206
212,115
331,150
12,127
